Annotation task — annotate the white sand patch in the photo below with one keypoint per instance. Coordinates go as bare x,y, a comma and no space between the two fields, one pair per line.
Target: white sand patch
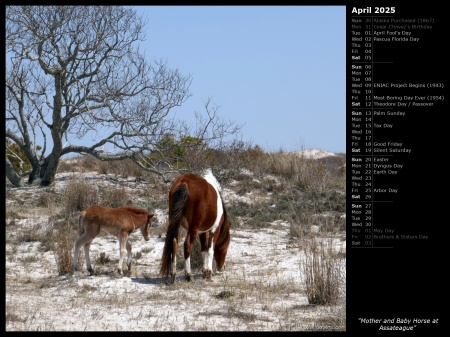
315,153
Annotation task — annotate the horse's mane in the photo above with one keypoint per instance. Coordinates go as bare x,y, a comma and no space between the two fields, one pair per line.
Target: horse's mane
224,236
135,209
209,176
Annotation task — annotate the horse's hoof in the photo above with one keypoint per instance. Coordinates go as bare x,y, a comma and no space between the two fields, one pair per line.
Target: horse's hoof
188,277
207,274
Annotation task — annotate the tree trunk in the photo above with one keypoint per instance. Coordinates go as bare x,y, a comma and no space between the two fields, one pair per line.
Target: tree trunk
35,173
51,162
11,174
51,167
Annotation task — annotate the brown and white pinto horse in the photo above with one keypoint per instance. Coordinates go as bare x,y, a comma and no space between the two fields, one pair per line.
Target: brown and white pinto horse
120,222
195,203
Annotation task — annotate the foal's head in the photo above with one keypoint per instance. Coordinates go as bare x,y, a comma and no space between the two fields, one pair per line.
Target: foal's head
145,230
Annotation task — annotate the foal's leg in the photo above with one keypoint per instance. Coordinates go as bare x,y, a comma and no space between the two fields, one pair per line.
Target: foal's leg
76,253
123,239
88,259
129,255
78,243
83,241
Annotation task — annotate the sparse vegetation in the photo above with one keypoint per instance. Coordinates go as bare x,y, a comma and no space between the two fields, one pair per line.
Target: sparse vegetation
116,197
78,196
62,236
291,198
323,271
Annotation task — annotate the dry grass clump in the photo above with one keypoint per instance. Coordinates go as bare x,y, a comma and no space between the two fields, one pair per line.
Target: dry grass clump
13,213
300,230
78,196
47,199
31,234
103,259
304,173
81,163
63,239
125,168
66,165
115,197
323,268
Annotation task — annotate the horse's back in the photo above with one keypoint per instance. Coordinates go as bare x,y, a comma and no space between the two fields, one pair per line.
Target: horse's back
114,220
113,213
201,204
96,210
134,210
98,217
199,188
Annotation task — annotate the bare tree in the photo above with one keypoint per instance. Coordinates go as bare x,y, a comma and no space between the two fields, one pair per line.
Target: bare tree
77,71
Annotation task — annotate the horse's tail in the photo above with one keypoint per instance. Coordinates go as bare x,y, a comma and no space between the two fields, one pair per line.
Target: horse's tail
80,223
180,197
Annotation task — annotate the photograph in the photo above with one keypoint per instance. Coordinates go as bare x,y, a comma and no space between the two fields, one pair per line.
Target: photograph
184,168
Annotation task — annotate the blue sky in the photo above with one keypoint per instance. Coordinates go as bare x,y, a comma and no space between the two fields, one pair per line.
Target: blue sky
279,70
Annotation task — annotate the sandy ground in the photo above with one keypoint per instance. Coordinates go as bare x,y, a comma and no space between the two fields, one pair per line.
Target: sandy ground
261,289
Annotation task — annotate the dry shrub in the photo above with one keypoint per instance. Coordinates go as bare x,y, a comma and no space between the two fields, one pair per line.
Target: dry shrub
90,163
15,214
116,197
199,157
300,230
63,238
77,164
79,195
66,165
226,160
305,173
323,269
39,232
125,168
106,167
103,259
47,199
30,234
334,164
